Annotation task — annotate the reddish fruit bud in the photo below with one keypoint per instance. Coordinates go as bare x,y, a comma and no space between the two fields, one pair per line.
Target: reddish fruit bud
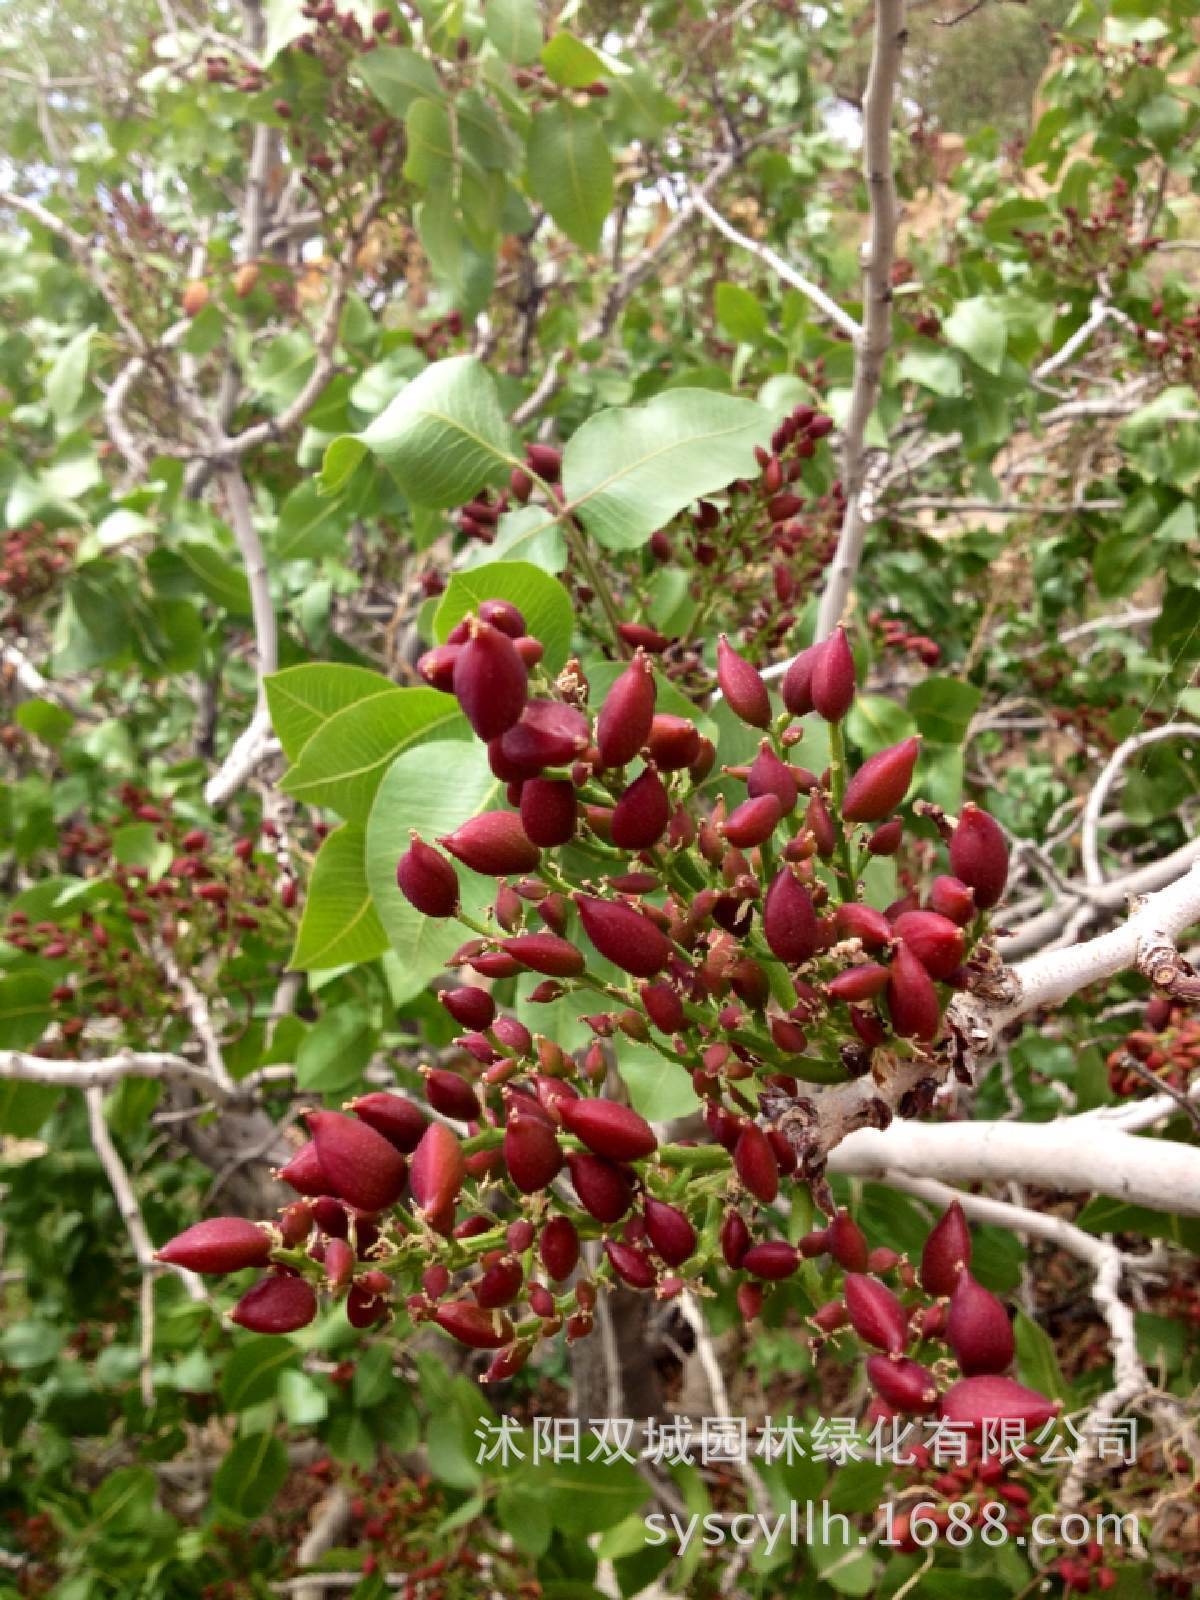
753,822
886,839
936,942
742,686
749,1300
875,1313
820,824
427,880
500,1284
773,1259
755,1163
951,897
451,1095
769,775
363,1167
912,999
905,1385
847,1243
438,1170
609,1129
559,1248
854,921
549,734
978,1329
278,1304
789,921
303,1172
604,1190
789,1036
531,1154
490,681
546,953
627,714
549,811
674,742
735,1239
340,1262
435,1280
815,1244
469,1006
399,1121
642,813
831,1316
973,1401
504,1366
979,855
513,1035
883,1258
504,615
947,1251
638,636
664,1007
624,936
545,460
881,783
494,843
833,682
472,1325
219,1244
295,1223
541,1301
436,666
858,983
797,682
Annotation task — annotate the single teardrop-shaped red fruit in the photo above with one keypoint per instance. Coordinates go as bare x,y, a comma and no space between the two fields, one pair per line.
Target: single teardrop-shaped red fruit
875,1313
973,1401
749,1300
363,1168
864,923
947,1251
493,843
558,1248
820,824
500,1284
469,1005
755,1163
937,943
365,1308
769,775
640,817
789,920
951,897
427,880
399,1121
531,1154
858,983
546,953
905,1385
472,1325
604,1190
490,681
674,742
504,615
218,1244
742,686
833,682
753,822
881,783
340,1262
624,936
545,460
436,666
303,1172
664,1007
281,1303
773,1259
978,1329
887,838
630,1264
669,1231
912,999
549,811
450,1094
609,1129
735,1239
438,1169
625,719
549,734
979,855
847,1242
797,682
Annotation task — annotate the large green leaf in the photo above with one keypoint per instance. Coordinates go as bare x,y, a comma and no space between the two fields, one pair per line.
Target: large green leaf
659,1088
978,327
432,790
571,172
25,1009
627,472
541,599
343,763
67,375
251,1475
252,1372
943,708
571,63
397,77
445,436
311,524
514,28
339,926
301,698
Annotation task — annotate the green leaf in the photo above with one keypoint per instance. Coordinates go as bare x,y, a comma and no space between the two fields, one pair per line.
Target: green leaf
658,1088
251,1475
585,1497
343,763
445,436
740,313
302,1398
224,583
541,599
311,524
397,77
527,534
432,789
977,327
433,151
514,29
25,1106
571,63
301,699
252,1372
874,722
936,370
627,472
1037,1363
46,721
67,376
1162,120
341,462
339,926
336,1050
25,1009
285,21
943,708
571,172
1122,562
